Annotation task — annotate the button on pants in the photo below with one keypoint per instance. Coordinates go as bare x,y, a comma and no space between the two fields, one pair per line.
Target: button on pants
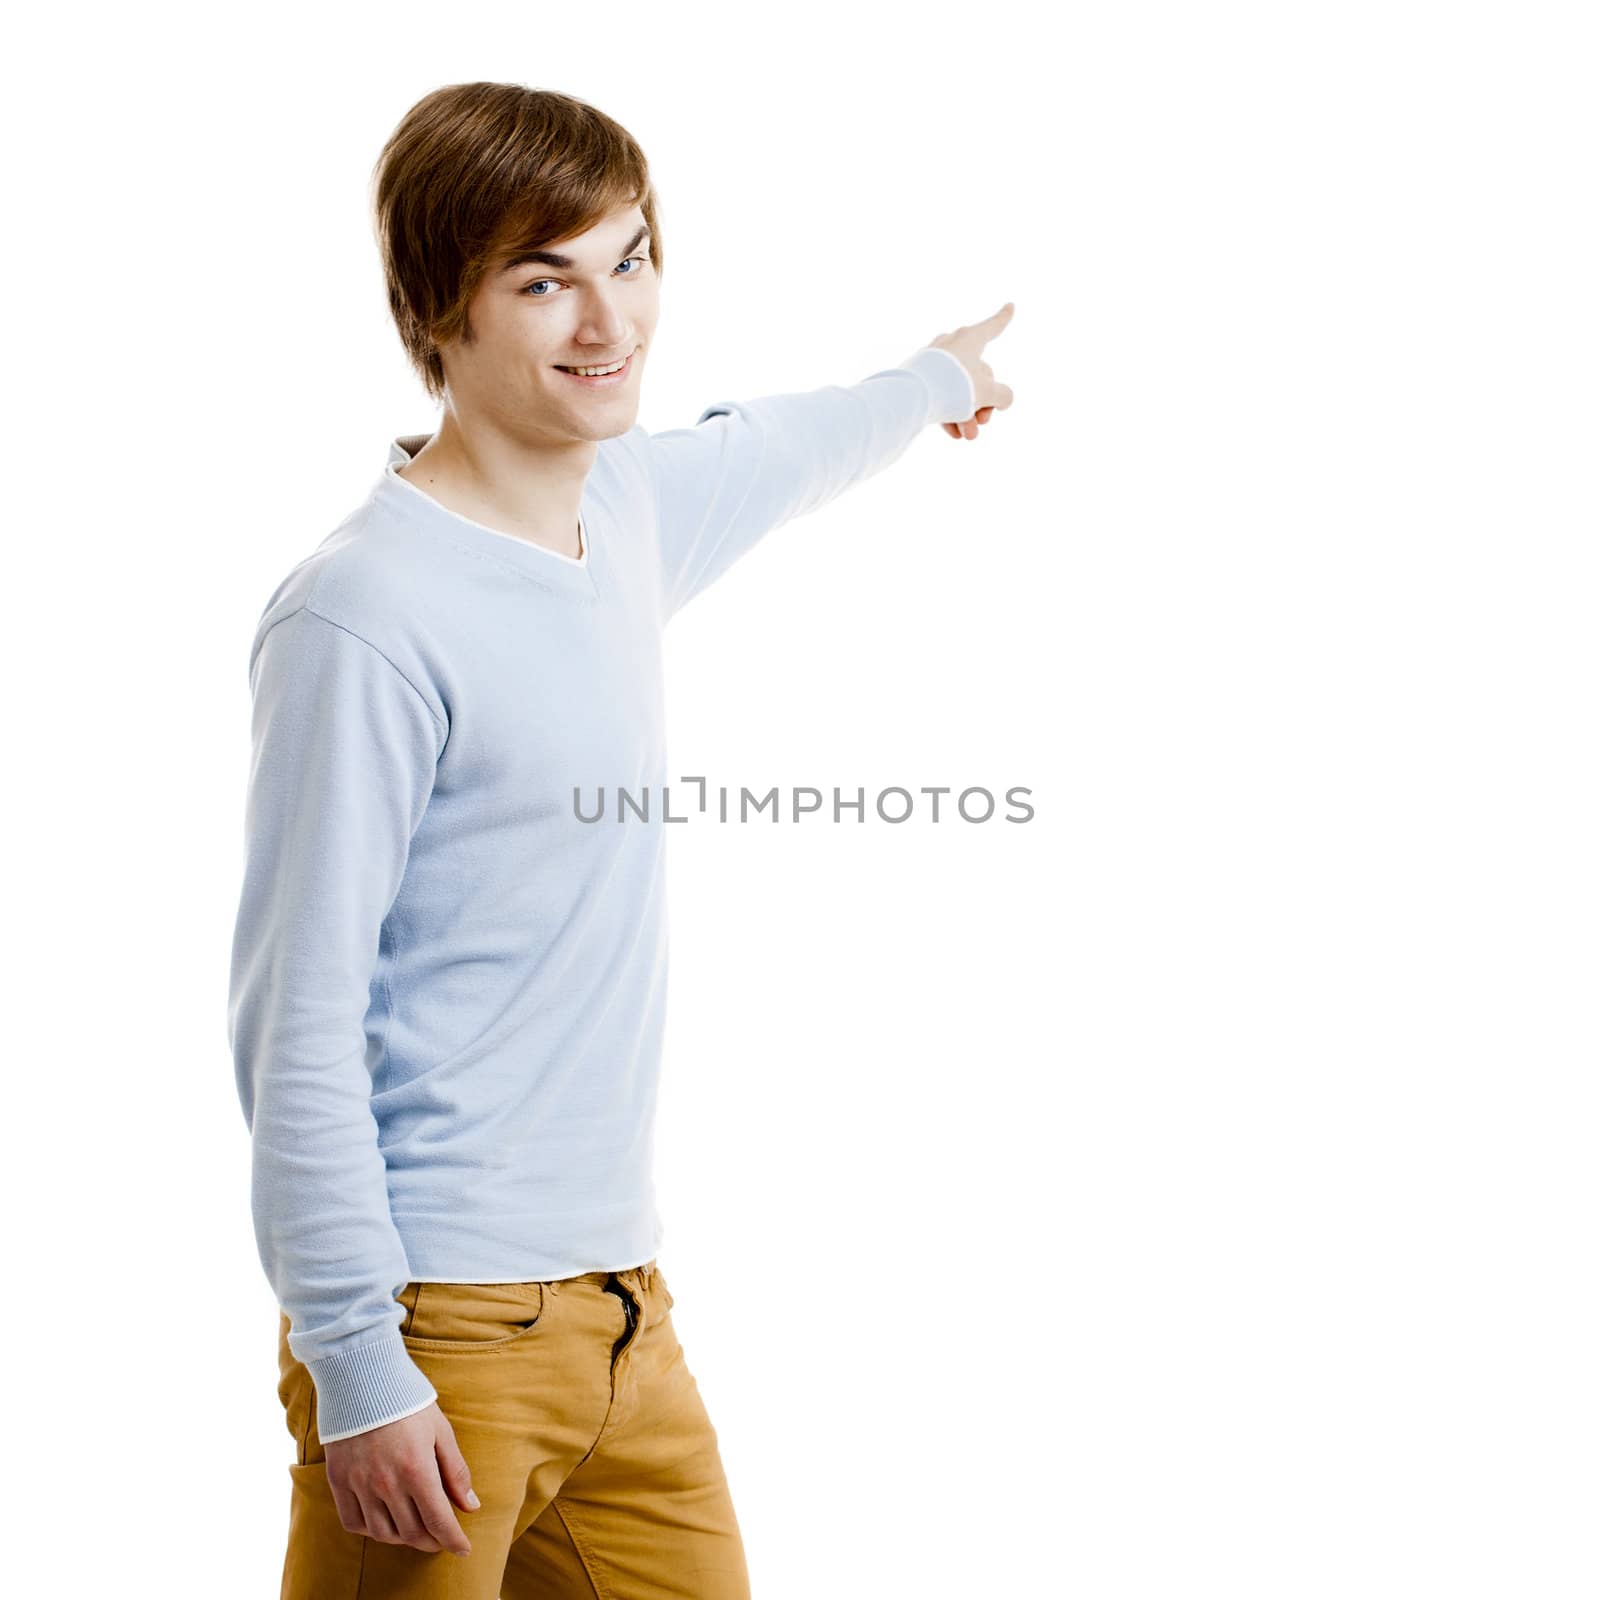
590,1450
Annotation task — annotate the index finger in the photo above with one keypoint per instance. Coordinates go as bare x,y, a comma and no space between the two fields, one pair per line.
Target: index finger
438,1517
994,325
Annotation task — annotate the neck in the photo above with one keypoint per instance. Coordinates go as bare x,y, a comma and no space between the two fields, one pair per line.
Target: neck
529,491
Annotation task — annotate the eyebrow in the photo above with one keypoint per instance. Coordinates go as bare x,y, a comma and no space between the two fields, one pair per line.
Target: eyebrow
553,258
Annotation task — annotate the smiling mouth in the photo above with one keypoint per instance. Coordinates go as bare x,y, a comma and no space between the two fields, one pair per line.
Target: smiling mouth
607,377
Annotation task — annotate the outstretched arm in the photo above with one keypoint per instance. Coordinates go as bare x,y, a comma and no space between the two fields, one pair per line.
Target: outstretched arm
748,466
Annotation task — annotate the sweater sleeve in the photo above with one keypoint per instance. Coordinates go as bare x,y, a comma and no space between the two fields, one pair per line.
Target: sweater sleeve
748,466
343,751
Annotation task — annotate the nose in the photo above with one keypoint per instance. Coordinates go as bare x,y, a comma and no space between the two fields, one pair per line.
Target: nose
605,326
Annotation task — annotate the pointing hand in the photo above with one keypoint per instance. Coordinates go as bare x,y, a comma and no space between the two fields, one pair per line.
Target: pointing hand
966,345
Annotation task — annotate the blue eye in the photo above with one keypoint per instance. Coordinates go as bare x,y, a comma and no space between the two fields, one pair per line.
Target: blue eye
528,290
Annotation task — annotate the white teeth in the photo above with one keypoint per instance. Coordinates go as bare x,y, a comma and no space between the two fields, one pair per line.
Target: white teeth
597,372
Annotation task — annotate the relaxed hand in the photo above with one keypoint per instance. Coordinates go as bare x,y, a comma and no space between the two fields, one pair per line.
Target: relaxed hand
395,1483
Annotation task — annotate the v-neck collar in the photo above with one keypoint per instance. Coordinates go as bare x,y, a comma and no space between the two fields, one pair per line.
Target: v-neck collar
549,568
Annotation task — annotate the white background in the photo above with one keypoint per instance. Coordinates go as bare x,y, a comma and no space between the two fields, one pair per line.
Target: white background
1190,1192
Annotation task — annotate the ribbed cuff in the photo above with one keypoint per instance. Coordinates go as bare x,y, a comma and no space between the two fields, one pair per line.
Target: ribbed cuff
366,1387
954,396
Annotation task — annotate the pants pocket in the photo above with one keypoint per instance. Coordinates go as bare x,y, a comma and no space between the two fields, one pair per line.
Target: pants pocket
471,1316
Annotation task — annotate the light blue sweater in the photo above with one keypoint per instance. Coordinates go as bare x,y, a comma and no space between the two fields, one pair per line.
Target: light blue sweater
446,991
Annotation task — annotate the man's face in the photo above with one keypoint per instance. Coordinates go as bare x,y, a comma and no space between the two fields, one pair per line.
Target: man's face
588,301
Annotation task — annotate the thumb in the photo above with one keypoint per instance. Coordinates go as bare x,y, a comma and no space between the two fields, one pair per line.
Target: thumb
454,1473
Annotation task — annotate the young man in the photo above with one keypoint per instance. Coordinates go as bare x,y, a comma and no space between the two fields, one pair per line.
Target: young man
447,988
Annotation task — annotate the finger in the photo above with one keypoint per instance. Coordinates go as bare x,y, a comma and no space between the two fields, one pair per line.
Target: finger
409,1524
951,429
995,324
453,1472
351,1517
379,1524
434,1509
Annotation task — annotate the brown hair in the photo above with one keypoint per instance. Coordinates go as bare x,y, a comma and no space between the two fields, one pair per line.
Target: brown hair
476,172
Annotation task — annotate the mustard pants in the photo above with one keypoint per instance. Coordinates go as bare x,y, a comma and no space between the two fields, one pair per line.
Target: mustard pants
593,1458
